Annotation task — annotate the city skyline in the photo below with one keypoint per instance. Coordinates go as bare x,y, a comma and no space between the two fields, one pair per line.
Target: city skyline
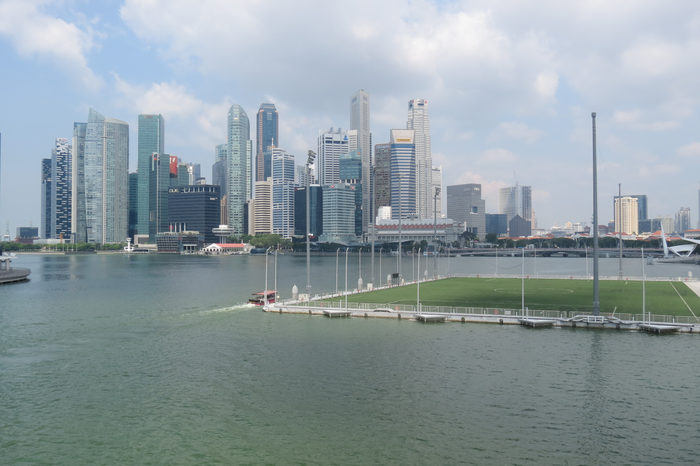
517,109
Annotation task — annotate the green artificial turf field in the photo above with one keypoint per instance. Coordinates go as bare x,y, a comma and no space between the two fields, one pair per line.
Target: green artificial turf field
563,295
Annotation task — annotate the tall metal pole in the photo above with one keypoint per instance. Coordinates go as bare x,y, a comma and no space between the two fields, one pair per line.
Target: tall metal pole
308,233
400,177
596,294
277,249
336,270
372,189
380,266
523,285
619,203
418,284
359,279
265,292
644,289
437,192
413,263
346,277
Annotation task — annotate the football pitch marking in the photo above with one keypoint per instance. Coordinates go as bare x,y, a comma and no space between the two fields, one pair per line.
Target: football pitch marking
679,295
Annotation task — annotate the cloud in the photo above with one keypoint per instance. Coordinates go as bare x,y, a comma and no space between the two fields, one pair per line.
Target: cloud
517,131
634,119
497,157
691,150
36,34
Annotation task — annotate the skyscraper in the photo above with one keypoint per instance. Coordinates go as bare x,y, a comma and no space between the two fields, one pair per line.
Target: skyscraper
61,189
403,173
106,179
641,208
382,177
163,173
221,153
419,122
682,220
282,193
315,210
465,206
239,167
133,203
338,213
262,207
267,137
78,220
626,215
515,200
151,141
359,120
331,145
436,179
194,208
350,169
45,227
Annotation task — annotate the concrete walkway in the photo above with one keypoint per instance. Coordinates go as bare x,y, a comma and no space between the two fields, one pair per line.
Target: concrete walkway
695,286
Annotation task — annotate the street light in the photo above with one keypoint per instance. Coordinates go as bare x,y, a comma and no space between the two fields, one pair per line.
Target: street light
336,270
346,277
418,285
266,252
309,161
277,249
359,280
413,263
437,193
380,265
400,176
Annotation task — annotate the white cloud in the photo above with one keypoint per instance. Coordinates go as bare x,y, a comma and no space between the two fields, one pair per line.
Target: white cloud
36,34
691,150
517,131
497,157
634,119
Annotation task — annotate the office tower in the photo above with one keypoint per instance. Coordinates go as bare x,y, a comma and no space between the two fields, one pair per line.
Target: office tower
45,226
282,193
626,215
61,189
359,121
350,172
641,207
338,213
515,200
106,179
518,227
262,208
419,122
151,141
133,204
497,223
436,179
466,207
300,177
221,153
239,167
194,208
78,220
218,175
315,211
682,220
331,145
182,173
403,173
194,171
267,137
165,171
382,178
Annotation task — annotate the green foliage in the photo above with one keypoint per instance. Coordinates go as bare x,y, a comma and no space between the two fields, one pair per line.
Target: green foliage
491,237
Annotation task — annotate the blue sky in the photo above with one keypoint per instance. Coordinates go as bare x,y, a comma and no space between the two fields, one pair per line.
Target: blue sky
510,84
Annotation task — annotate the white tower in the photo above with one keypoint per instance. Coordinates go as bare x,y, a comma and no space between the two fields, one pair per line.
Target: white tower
419,122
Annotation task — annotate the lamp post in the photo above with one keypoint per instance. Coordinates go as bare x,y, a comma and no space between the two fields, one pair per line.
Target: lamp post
359,279
276,249
336,270
418,284
265,291
346,277
400,176
380,266
309,161
437,193
596,295
413,263
523,286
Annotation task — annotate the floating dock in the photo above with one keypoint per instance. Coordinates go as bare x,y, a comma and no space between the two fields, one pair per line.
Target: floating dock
655,328
336,313
537,323
430,317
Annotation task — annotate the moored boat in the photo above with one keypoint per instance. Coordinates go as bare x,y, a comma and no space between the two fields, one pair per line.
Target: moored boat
259,298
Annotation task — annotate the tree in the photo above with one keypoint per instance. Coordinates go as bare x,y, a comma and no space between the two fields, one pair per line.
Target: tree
491,237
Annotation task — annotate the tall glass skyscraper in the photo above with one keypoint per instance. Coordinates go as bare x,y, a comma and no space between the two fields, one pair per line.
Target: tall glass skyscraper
403,173
331,145
267,137
282,193
240,150
151,141
515,200
78,223
133,203
163,173
418,120
61,189
359,120
106,179
382,177
45,227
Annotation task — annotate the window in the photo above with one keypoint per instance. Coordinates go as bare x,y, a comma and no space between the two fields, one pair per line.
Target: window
474,210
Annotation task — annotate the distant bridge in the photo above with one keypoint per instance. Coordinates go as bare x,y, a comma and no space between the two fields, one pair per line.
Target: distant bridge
556,252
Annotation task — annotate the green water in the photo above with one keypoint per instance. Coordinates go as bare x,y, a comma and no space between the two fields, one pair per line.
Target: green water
157,360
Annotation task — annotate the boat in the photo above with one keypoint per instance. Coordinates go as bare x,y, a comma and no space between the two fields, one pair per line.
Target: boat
259,298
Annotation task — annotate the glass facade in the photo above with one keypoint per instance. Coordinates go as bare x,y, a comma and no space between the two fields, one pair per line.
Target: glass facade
61,189
239,167
267,137
78,223
195,208
382,177
45,227
338,213
315,209
163,174
151,141
282,193
133,203
403,174
465,205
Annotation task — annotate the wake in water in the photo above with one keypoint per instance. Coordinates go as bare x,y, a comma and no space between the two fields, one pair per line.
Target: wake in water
235,308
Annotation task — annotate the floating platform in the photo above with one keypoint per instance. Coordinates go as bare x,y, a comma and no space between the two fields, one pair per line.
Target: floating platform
536,323
334,313
430,318
652,328
13,275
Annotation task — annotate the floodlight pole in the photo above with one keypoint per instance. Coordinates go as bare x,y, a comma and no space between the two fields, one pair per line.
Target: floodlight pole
619,215
437,193
309,161
596,293
418,284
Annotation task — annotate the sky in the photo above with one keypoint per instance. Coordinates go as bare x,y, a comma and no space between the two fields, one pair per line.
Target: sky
510,86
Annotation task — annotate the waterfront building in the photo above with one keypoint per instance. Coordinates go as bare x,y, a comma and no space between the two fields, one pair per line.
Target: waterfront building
151,141
267,137
466,207
403,173
195,208
45,225
133,204
682,220
350,170
78,220
645,226
179,242
497,223
282,193
163,174
417,230
382,177
518,227
515,200
626,215
338,213
419,121
239,167
106,179
331,145
315,211
360,122
61,189
261,208
436,179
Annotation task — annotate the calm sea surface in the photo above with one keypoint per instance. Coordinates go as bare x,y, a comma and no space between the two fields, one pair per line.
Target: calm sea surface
113,360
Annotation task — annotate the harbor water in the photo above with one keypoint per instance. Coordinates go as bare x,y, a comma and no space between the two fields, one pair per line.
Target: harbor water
107,359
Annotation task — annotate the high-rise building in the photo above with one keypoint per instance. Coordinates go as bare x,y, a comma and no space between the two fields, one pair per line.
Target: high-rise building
151,141
194,208
403,173
331,145
682,220
382,178
61,189
106,179
45,227
518,227
78,220
300,176
338,213
194,171
515,200
165,171
497,223
218,175
282,193
436,191
315,210
182,174
627,215
221,153
239,167
466,207
419,122
359,121
267,137
350,169
133,204
262,208
642,214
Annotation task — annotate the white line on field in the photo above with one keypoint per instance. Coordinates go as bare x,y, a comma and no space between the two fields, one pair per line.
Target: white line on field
679,295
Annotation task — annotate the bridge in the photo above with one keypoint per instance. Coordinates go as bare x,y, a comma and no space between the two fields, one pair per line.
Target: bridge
556,252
